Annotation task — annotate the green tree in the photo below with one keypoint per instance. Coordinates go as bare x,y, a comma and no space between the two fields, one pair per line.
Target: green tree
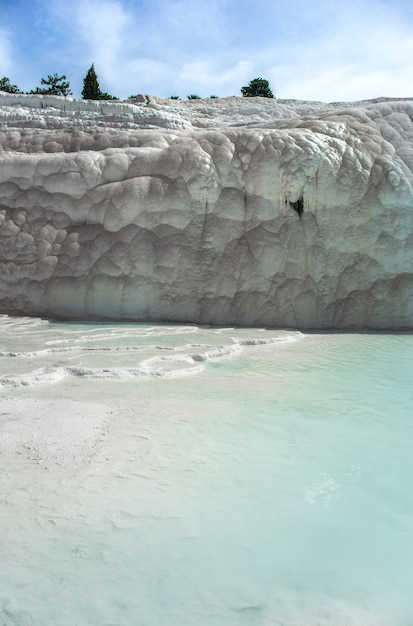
55,85
193,96
257,87
91,89
5,85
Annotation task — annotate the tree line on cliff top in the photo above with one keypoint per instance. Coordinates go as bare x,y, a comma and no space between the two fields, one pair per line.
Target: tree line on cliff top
56,85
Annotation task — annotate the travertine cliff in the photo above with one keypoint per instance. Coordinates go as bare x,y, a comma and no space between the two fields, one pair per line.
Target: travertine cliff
229,211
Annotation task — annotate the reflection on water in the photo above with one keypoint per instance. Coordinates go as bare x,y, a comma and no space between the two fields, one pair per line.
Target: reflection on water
181,475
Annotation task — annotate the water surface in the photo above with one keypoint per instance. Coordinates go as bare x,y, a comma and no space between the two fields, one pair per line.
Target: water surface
169,475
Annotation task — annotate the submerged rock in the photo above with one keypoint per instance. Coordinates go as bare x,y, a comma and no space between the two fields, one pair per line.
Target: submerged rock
241,211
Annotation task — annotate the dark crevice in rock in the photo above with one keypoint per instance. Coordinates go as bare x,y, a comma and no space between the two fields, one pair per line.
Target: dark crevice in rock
298,206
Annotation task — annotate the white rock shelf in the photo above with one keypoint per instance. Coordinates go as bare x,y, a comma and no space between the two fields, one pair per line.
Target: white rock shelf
241,211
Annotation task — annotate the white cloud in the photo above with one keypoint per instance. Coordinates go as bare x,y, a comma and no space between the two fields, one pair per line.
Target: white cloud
95,32
147,51
141,74
363,56
208,77
237,76
192,24
101,25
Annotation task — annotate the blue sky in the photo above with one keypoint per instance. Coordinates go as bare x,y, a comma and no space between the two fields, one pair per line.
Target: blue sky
329,50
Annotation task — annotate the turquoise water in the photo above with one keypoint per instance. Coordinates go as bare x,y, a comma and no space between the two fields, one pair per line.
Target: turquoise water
161,475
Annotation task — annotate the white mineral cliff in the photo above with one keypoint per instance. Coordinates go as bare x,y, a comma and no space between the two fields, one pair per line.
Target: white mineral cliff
230,211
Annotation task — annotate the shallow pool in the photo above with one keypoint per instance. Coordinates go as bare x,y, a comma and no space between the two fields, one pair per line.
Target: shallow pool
171,475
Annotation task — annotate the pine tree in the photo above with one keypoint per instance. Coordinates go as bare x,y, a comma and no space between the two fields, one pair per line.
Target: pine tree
5,85
91,89
55,85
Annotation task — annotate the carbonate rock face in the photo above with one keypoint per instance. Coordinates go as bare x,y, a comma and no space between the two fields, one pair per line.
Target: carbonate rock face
242,211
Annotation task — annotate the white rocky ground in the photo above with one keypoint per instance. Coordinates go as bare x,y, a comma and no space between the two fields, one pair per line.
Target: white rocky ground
225,211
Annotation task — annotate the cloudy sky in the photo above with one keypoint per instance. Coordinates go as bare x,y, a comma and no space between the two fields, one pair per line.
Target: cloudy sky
329,50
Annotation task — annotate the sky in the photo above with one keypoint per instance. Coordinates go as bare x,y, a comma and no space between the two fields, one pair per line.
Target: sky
326,50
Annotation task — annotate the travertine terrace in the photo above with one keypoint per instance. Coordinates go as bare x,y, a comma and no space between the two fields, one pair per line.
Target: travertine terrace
243,211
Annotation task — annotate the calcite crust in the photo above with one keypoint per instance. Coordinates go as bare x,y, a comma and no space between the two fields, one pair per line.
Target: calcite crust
243,211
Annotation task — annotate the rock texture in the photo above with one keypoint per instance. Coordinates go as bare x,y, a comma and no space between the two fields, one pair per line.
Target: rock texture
228,211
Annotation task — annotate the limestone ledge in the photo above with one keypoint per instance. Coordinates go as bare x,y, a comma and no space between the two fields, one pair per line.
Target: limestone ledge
228,211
